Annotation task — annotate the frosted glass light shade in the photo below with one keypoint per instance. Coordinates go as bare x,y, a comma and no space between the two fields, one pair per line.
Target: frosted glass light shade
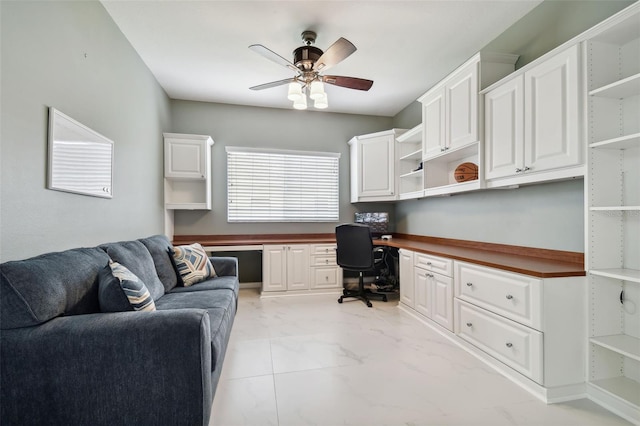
317,90
300,103
322,102
295,91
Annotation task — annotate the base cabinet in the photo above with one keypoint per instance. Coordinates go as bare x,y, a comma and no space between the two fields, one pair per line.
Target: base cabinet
299,268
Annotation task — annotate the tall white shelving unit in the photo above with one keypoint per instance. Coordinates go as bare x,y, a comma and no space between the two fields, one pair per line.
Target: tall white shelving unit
410,171
613,212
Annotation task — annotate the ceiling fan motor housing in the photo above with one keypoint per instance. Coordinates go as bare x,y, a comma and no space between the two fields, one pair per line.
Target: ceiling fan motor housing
305,56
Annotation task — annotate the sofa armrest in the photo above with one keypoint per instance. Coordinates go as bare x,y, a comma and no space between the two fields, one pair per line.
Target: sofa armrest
225,266
104,369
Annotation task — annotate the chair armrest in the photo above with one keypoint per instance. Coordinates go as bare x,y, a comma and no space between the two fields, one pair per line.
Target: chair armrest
225,266
105,369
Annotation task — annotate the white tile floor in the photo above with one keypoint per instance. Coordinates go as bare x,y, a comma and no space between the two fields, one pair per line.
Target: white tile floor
310,361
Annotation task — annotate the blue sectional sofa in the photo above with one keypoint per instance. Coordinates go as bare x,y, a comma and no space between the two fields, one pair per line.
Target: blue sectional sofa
65,362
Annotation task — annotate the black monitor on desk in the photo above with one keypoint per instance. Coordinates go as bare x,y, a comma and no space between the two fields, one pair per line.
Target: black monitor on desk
378,222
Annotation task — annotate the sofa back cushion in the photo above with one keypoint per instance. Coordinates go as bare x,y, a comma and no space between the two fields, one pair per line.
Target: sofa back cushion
161,251
134,256
41,288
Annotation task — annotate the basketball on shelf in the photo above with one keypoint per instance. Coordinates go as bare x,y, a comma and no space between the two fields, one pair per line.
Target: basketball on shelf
466,172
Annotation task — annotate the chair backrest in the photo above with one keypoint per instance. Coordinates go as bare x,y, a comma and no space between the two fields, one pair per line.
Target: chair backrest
355,247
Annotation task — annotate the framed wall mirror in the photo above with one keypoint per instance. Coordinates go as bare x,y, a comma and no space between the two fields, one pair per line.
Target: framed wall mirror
80,159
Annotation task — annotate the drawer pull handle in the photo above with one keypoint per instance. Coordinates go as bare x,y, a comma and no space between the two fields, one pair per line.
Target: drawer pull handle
469,324
509,345
469,284
509,297
428,275
429,263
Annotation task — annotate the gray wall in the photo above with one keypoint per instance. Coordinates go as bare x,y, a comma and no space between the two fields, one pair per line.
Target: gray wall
233,125
546,215
72,56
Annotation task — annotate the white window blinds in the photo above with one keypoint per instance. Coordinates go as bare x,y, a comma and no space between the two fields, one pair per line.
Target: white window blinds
282,186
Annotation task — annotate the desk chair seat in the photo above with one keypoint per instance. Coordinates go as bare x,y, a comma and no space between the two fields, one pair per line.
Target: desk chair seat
355,252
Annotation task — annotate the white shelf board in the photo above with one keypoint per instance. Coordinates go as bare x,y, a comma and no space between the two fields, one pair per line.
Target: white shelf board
622,142
621,387
411,195
623,344
413,175
187,206
614,208
624,88
452,188
411,135
416,155
632,275
456,153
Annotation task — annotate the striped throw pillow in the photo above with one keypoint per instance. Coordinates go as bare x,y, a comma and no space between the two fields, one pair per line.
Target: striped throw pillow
192,264
121,290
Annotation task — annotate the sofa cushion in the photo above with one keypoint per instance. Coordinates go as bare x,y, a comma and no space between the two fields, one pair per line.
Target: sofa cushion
41,288
193,264
120,290
161,251
228,283
221,306
134,256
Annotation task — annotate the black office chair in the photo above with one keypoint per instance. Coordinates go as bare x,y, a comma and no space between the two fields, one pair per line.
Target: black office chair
355,252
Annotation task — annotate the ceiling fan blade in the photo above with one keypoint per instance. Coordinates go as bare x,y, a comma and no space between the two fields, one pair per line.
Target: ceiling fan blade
348,82
337,52
273,84
272,56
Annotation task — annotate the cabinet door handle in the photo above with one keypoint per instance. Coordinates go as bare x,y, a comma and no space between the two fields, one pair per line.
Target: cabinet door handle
469,284
509,297
429,263
526,169
428,275
509,344
518,170
469,324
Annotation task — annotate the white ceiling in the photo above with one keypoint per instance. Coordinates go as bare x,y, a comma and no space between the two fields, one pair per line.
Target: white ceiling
198,50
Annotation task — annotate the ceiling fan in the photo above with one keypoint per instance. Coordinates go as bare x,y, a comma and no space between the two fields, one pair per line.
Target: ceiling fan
308,62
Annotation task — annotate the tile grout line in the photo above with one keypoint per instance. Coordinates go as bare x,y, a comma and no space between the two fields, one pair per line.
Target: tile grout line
273,378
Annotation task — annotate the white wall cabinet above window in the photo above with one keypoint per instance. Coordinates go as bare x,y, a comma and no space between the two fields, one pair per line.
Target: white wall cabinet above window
532,124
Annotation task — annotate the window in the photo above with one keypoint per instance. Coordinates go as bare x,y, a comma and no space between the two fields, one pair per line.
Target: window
268,185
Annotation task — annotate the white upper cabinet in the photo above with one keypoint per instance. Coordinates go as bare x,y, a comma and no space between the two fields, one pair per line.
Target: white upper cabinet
461,92
433,140
532,124
187,171
373,166
552,122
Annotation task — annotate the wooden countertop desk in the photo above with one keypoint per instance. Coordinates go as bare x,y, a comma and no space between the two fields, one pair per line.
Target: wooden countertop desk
542,263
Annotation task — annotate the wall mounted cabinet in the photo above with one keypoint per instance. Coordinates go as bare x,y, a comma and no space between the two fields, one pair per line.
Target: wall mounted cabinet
451,113
533,123
187,171
612,198
373,166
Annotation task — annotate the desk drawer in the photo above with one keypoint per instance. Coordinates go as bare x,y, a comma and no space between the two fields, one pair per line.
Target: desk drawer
323,260
517,297
436,264
323,250
517,346
329,277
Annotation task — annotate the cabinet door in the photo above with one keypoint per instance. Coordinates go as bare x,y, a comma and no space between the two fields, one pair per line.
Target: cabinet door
423,295
504,132
185,158
433,128
298,267
552,122
405,265
274,268
461,94
377,166
442,306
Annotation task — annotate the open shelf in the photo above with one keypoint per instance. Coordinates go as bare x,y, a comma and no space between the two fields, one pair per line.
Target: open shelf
620,387
632,275
414,155
622,142
624,88
614,208
416,174
620,343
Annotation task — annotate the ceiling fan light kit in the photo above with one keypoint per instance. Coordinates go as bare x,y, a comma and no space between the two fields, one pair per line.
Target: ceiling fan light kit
308,62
